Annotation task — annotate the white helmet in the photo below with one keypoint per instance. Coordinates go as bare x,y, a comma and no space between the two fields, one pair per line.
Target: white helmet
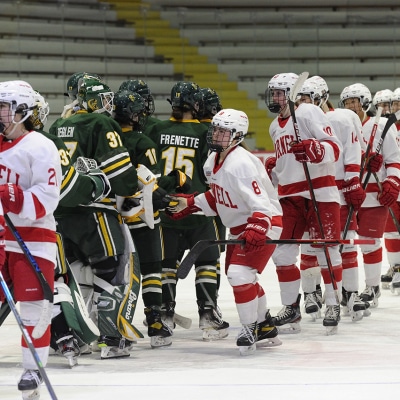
395,95
39,116
323,89
285,82
311,89
359,91
234,121
382,96
20,96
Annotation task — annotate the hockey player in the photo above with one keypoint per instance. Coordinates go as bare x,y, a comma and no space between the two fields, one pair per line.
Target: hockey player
92,234
386,168
390,101
319,148
348,129
182,144
130,113
142,88
243,196
29,193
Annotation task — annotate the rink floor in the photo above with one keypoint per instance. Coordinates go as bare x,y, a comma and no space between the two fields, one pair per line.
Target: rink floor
362,360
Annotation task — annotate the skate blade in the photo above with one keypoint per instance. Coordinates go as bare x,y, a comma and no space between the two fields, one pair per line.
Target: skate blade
357,315
331,330
315,315
31,394
367,313
112,352
247,350
385,285
160,341
289,329
212,334
345,311
395,290
269,342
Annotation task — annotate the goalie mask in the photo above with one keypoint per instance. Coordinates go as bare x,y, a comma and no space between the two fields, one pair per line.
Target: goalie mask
186,96
278,91
95,96
383,99
39,115
20,97
141,87
227,126
356,91
210,104
130,109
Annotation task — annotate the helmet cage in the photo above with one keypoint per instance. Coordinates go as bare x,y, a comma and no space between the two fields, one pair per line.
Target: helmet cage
280,82
95,96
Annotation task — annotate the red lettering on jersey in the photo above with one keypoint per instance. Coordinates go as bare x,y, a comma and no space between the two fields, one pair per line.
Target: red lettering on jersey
222,196
282,145
7,175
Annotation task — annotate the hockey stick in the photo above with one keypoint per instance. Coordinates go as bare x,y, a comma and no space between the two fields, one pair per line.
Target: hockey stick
292,99
47,308
390,121
362,171
201,245
27,337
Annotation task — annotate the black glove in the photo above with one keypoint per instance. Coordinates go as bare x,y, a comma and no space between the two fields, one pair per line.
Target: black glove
160,199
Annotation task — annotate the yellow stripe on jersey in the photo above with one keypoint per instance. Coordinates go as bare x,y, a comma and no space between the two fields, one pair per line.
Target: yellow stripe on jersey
105,234
114,166
61,264
67,178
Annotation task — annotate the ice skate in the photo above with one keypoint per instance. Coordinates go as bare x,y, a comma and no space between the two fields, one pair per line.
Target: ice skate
312,305
211,323
387,278
371,294
331,320
159,332
29,384
168,313
267,333
353,306
69,348
247,339
395,283
288,318
113,347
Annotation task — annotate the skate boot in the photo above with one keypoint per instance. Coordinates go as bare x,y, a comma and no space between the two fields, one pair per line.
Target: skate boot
312,305
331,320
371,294
353,305
159,332
395,284
288,318
114,347
29,384
387,278
267,333
247,339
211,323
69,348
168,313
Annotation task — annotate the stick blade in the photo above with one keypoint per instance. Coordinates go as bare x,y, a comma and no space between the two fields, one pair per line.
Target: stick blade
298,85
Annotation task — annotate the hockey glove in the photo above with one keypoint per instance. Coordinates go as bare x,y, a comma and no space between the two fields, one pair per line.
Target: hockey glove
177,181
101,184
255,232
390,191
160,199
12,198
184,207
308,150
375,162
353,192
270,164
2,241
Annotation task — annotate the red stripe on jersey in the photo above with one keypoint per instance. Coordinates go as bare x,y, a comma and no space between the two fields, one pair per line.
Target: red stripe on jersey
302,186
40,210
336,150
352,168
30,234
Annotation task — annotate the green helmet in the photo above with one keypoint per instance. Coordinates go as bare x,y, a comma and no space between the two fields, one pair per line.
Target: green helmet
94,95
130,108
72,83
186,96
141,87
211,104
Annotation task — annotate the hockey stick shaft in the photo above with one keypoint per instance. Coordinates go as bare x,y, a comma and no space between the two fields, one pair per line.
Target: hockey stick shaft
26,336
47,291
292,99
201,245
390,121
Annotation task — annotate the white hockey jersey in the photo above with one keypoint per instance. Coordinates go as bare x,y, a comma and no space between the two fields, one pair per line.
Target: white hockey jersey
239,187
312,123
391,157
32,162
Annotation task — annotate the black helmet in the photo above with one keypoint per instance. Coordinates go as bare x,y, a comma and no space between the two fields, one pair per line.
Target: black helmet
130,108
141,87
210,104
